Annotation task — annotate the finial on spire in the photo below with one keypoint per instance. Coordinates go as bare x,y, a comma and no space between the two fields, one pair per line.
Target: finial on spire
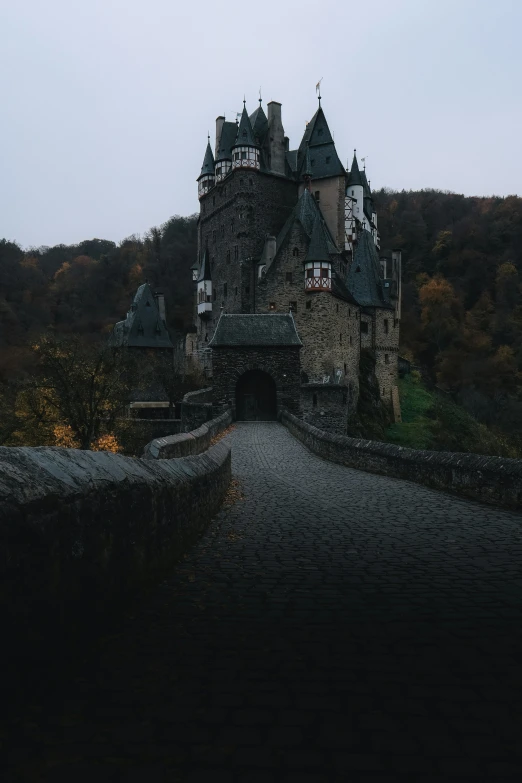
260,99
244,100
364,163
318,90
208,136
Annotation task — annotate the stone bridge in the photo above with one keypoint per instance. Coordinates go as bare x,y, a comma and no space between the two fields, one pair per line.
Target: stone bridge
331,625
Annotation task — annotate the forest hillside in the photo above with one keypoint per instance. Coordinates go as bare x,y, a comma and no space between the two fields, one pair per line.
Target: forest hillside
462,292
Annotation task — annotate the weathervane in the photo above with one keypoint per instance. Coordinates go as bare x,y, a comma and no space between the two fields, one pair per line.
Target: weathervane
318,89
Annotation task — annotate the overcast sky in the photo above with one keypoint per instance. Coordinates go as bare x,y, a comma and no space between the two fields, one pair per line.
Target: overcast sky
106,104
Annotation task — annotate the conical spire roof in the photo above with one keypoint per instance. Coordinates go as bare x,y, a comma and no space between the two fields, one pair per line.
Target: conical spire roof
208,162
355,175
204,272
317,250
245,134
324,160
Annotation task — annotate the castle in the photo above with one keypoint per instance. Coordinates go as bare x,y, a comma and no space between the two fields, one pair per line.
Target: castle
289,284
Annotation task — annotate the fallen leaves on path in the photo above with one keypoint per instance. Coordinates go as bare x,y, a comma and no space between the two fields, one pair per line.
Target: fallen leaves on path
233,493
222,434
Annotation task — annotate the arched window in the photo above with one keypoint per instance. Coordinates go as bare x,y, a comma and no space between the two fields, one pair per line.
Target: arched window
314,400
295,251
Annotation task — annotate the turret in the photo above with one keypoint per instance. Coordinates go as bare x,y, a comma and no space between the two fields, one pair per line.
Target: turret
245,152
206,178
204,290
318,265
355,189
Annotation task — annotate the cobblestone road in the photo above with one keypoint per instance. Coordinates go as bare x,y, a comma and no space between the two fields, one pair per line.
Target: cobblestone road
332,625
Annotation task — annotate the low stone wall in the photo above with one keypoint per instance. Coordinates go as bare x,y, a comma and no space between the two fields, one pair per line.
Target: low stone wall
187,443
201,395
494,480
194,414
80,529
133,434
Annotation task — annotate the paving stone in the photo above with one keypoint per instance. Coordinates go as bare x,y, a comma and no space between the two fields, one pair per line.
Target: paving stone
329,618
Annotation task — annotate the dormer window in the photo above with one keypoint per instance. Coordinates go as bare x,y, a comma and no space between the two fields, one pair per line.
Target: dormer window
320,132
328,159
295,251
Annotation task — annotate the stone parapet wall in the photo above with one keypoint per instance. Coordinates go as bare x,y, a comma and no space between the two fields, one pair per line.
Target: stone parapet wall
187,443
200,395
80,530
494,480
133,434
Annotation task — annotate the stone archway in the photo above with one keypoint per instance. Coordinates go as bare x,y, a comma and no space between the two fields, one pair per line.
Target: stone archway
256,397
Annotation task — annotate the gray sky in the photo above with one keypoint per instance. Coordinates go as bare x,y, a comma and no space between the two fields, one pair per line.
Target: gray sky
106,104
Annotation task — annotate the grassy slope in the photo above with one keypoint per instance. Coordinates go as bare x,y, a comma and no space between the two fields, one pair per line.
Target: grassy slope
431,421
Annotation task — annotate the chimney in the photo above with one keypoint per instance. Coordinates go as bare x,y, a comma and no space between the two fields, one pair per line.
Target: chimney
160,301
219,128
277,138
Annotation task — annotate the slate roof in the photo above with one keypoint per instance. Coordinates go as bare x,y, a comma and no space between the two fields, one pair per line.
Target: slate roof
204,271
306,211
367,200
208,162
324,160
259,123
318,248
340,290
366,284
228,138
245,134
291,160
249,330
143,326
354,177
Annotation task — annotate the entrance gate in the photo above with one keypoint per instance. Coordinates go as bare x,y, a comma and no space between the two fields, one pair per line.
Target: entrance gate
256,397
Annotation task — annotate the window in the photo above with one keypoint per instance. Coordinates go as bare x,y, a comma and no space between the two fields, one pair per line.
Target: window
328,159
213,201
351,340
358,269
309,304
295,251
364,327
345,398
320,132
250,181
235,292
352,192
214,235
345,368
386,358
240,215
288,277
224,290
383,391
314,400
336,308
228,256
293,307
236,252
271,306
349,312
206,338
232,224
247,290
317,195
340,339
385,322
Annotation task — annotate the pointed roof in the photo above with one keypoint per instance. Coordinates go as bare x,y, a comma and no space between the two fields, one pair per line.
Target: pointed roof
245,134
208,162
366,187
324,160
204,271
306,212
354,177
143,326
259,123
364,278
317,249
226,142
